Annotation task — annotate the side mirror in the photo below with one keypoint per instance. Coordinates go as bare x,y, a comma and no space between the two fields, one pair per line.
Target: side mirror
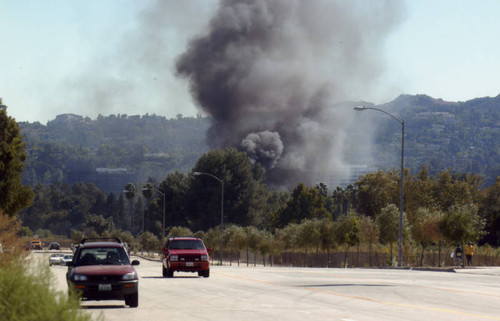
209,250
135,262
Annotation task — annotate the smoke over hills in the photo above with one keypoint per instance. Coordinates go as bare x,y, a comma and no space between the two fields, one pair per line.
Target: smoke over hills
270,72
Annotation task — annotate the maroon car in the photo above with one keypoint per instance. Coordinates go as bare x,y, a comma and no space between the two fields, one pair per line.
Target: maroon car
101,270
185,254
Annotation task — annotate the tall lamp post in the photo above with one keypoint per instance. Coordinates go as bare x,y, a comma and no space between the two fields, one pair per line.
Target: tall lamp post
221,207
163,221
402,123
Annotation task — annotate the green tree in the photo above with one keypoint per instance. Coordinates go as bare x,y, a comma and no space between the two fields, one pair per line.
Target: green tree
265,245
489,211
245,195
374,192
288,236
148,191
252,238
149,242
462,223
418,193
129,190
99,224
368,234
308,236
234,241
304,203
277,201
176,188
13,195
178,231
327,237
388,226
347,232
451,190
77,236
425,230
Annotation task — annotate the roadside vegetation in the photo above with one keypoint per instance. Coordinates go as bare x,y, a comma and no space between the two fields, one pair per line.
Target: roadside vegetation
26,288
441,212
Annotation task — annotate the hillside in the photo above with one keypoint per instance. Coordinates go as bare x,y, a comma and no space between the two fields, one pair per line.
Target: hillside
111,150
460,136
114,150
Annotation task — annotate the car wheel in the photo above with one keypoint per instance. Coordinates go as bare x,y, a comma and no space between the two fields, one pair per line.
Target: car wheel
164,271
133,300
170,273
206,273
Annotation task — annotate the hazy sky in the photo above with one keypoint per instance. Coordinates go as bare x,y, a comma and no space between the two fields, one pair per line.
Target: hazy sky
117,56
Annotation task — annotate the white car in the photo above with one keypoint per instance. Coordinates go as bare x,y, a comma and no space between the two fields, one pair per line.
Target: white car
66,259
55,259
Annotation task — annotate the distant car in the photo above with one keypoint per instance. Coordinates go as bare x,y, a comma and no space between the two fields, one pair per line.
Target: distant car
54,246
185,254
67,258
36,244
101,270
55,259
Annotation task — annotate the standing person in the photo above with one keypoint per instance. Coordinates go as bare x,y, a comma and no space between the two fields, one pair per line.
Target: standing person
469,252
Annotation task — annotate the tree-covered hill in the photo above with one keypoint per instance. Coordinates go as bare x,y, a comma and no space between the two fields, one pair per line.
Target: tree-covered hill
458,136
110,151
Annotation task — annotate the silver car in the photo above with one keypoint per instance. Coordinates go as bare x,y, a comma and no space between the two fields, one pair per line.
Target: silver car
55,259
66,259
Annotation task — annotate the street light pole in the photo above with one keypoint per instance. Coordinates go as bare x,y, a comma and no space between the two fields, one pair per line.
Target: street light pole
402,123
221,207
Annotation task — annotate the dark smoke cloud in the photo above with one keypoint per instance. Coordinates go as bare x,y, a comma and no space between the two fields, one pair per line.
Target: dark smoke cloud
270,74
265,147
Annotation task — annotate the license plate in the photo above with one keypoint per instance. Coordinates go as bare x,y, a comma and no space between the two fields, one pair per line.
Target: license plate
104,287
189,263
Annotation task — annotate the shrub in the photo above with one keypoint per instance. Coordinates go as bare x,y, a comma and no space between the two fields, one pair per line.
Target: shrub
27,287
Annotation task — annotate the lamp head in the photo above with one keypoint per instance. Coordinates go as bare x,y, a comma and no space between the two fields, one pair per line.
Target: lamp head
359,108
196,173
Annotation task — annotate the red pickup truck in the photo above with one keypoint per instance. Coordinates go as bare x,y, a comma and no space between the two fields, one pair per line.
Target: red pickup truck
185,254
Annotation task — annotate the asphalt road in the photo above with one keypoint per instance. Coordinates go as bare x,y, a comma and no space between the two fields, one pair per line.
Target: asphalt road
276,293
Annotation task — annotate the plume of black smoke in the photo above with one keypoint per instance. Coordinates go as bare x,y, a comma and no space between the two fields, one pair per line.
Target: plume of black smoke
265,147
270,71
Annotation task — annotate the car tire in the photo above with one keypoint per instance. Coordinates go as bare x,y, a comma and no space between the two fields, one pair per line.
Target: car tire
133,300
170,273
206,273
164,271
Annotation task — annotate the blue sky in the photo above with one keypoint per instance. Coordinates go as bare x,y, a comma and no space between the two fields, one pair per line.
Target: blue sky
61,56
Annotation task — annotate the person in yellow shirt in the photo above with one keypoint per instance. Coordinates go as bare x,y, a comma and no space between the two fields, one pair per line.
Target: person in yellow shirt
469,252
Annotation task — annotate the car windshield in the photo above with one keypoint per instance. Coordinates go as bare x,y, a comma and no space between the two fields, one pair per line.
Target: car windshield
186,245
102,256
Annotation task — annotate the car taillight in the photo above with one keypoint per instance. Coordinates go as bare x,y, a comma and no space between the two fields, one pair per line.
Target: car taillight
174,258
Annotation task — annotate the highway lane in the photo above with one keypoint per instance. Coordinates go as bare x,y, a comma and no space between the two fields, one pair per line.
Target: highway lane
276,293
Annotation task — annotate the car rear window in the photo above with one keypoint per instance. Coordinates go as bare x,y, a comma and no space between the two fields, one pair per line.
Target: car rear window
103,256
186,245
